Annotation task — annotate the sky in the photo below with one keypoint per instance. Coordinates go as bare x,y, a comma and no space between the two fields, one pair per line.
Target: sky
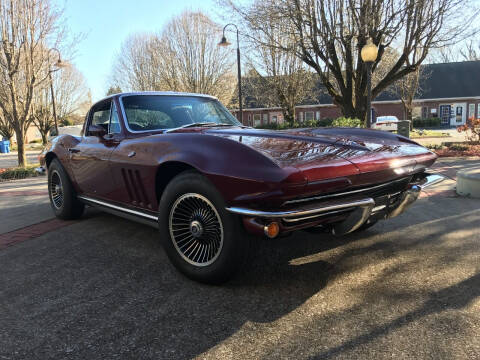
105,24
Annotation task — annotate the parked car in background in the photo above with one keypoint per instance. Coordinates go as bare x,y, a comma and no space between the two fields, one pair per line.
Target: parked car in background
386,123
183,163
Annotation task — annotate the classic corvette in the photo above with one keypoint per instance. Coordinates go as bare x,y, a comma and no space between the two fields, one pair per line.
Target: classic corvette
183,163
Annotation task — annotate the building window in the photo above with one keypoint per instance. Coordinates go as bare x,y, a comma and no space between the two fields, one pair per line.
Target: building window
424,112
317,115
300,116
265,118
257,120
471,110
308,115
274,119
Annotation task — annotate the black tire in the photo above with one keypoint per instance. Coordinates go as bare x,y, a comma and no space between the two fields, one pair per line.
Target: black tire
192,216
63,198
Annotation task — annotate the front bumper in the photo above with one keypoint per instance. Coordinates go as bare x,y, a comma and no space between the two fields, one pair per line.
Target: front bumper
352,212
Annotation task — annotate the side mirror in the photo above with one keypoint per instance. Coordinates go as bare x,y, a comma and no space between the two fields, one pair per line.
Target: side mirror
96,130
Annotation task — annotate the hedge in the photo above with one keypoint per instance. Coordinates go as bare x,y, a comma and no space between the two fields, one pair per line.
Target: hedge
326,122
426,123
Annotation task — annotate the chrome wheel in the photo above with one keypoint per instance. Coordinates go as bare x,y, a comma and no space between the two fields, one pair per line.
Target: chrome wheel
196,229
56,190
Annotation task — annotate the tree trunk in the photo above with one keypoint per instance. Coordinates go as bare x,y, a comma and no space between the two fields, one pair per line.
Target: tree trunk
355,111
289,116
22,159
44,137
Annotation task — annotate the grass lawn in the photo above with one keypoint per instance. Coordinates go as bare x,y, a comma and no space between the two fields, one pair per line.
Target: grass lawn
415,134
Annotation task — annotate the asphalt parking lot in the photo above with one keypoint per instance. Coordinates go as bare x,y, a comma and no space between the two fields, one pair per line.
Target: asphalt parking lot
102,287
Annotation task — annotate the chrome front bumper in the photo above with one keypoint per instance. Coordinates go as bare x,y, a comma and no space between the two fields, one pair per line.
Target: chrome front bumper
359,210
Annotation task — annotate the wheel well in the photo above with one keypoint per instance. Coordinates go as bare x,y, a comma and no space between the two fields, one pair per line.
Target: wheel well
166,172
48,158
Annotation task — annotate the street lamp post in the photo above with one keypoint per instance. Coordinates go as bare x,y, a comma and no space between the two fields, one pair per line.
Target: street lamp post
58,64
224,42
369,54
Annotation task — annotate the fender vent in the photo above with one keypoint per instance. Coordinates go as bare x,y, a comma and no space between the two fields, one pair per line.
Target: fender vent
135,189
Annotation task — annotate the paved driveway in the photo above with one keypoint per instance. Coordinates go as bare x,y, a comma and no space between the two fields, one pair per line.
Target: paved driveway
103,288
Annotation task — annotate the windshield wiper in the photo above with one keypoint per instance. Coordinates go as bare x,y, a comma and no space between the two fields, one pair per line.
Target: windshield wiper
199,124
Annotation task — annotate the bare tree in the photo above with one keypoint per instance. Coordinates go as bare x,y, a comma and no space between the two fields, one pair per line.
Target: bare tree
183,57
6,129
136,65
471,50
331,33
114,90
25,27
278,77
409,87
70,91
41,114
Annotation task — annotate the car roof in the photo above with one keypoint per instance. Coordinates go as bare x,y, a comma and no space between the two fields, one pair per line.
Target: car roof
161,93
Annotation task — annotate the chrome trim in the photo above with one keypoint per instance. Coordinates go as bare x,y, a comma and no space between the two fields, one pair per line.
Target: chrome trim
120,208
378,208
355,219
321,197
287,220
408,198
302,212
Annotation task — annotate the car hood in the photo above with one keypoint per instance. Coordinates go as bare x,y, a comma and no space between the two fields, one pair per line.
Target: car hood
322,153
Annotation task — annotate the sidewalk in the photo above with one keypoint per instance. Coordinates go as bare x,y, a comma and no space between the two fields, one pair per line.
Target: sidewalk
23,203
11,159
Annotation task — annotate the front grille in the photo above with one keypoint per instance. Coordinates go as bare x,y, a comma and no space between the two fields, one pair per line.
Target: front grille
377,191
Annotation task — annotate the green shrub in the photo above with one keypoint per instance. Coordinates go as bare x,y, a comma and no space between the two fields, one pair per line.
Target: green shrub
426,123
347,122
326,122
66,122
434,146
458,147
36,141
18,173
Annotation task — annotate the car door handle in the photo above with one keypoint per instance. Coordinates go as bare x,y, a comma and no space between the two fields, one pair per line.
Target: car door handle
73,151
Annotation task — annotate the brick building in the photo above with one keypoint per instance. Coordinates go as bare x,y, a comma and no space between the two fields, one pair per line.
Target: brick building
450,91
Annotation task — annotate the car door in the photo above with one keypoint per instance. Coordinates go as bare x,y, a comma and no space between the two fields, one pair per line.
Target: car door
89,159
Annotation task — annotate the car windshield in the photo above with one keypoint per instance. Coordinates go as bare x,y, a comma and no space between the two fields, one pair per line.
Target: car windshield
157,112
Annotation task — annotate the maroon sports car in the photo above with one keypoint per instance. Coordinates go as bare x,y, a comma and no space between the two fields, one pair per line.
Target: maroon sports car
183,163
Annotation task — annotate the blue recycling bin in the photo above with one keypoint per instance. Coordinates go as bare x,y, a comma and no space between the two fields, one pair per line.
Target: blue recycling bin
4,147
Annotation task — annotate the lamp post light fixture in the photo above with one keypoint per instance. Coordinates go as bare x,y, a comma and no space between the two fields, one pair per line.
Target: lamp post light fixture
224,42
59,64
369,54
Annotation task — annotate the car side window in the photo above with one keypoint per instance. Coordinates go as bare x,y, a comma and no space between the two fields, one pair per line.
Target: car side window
101,115
114,127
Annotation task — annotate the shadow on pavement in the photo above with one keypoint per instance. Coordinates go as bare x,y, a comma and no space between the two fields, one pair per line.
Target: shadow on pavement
104,288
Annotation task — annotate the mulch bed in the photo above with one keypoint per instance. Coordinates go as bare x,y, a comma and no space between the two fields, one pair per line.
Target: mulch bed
473,150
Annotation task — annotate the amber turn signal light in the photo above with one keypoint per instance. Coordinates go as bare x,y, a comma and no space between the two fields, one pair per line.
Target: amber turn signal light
271,230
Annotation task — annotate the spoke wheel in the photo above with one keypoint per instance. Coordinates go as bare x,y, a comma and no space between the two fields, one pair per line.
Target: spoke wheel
56,190
196,229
